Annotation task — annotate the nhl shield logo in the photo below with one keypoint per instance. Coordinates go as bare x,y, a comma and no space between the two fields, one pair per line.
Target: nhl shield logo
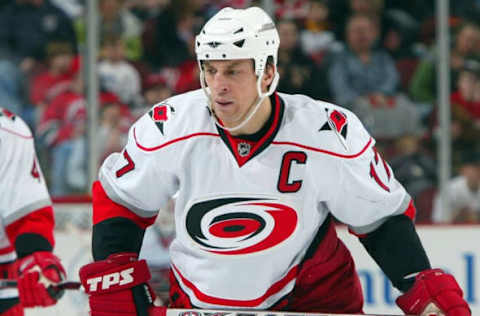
243,149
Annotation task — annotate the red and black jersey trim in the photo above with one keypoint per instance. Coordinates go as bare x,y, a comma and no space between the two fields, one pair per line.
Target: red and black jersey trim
115,227
105,208
269,132
40,222
28,243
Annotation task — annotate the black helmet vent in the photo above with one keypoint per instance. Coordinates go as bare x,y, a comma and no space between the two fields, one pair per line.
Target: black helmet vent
239,43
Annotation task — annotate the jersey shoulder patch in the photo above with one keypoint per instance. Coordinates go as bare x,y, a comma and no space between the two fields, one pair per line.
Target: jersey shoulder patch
12,124
326,127
346,126
173,118
160,114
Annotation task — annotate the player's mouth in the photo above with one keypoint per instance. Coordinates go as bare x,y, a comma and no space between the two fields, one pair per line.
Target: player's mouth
223,103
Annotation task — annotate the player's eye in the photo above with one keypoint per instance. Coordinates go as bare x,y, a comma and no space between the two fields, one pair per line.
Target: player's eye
232,72
210,71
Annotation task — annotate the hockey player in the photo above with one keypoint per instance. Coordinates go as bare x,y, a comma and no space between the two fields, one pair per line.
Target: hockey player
259,175
27,221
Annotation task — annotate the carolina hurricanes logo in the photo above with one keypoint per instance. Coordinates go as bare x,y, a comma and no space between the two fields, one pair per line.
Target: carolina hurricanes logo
336,120
160,114
237,225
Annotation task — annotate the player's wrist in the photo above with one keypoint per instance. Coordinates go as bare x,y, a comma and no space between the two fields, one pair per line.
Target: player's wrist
28,243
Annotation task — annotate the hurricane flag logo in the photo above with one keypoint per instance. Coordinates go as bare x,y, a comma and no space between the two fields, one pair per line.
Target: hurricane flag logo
240,225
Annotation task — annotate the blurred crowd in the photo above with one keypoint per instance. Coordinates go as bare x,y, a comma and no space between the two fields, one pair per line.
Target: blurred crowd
374,57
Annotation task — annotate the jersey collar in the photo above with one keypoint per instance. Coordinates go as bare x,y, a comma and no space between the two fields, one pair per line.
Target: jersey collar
253,148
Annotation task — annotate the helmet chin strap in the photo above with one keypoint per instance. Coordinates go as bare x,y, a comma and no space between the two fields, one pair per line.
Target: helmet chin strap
253,109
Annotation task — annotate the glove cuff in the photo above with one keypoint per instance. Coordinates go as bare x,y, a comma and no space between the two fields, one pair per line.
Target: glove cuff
118,272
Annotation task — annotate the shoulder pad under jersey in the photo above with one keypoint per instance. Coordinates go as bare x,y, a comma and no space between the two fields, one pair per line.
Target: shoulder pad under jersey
12,124
327,127
179,116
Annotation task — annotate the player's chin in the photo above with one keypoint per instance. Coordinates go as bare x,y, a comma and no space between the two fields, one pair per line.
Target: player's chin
224,110
229,119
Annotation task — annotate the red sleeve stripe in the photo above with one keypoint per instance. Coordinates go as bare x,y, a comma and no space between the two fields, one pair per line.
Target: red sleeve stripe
6,250
351,231
39,222
104,208
411,210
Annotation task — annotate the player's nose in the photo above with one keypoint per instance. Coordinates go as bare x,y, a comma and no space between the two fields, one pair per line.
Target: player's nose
220,84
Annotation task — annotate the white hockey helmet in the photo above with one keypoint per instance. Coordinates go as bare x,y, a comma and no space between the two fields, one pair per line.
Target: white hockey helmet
240,34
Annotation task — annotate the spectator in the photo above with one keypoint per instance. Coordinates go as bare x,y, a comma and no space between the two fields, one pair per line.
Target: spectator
291,9
26,26
116,19
465,102
367,7
316,37
12,88
56,78
413,164
298,72
155,90
116,74
463,194
361,69
146,9
423,83
169,38
365,78
342,10
417,170
400,31
115,119
399,35
62,123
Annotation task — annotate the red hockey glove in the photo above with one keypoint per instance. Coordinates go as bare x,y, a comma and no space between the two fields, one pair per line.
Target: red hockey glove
35,273
434,293
118,286
7,272
16,310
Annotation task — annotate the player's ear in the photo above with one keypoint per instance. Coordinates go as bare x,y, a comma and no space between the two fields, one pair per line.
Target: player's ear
268,75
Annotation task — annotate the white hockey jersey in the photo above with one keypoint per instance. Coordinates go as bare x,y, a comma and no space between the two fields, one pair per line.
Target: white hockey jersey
245,214
22,184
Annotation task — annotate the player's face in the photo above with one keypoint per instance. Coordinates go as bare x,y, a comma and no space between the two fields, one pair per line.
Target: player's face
233,86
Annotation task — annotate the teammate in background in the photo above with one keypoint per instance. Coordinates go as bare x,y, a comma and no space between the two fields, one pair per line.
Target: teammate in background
259,176
27,222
